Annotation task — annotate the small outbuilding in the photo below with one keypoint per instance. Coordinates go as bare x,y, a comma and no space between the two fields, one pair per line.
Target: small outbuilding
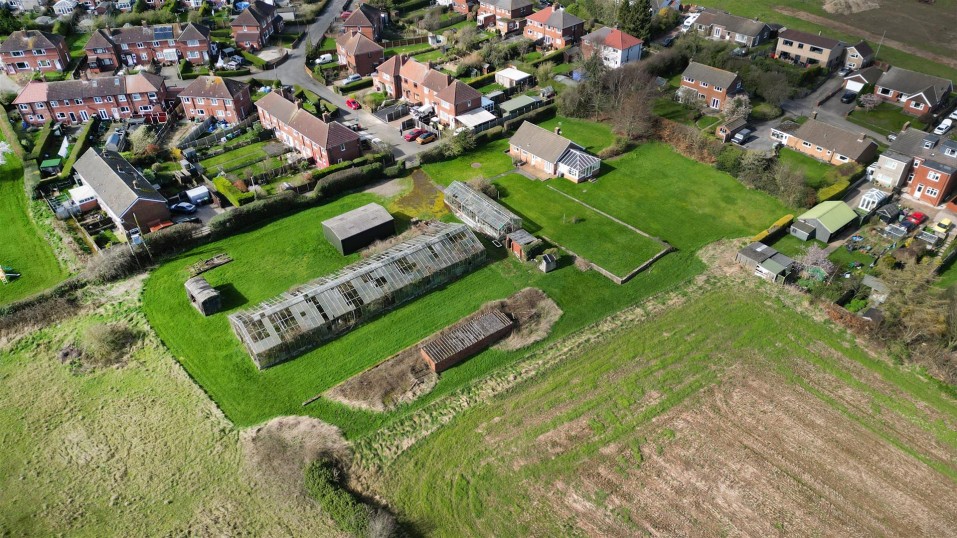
871,200
465,340
726,131
879,290
358,228
767,262
202,296
888,213
548,263
480,212
522,244
827,220
511,77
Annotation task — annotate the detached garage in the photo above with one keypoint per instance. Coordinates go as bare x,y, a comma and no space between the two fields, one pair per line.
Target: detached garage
358,228
823,221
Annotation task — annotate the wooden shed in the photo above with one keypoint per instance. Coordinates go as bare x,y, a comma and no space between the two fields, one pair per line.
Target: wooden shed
202,296
465,340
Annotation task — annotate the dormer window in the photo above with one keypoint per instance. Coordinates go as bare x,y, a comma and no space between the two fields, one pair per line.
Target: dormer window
950,152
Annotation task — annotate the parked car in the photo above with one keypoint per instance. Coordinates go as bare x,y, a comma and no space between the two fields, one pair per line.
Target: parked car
742,136
183,208
943,226
870,170
944,127
426,138
844,71
352,78
668,41
848,97
413,134
740,52
353,104
916,218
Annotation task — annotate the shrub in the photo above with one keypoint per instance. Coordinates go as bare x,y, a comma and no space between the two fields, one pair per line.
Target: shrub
31,178
253,59
834,191
82,141
177,238
395,170
234,195
105,344
42,141
113,264
345,180
256,212
729,160
618,147
232,73
355,86
322,482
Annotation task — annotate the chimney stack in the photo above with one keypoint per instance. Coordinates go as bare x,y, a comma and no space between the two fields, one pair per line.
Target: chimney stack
862,137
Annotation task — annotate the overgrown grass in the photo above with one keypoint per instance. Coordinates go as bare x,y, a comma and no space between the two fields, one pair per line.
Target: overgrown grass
817,174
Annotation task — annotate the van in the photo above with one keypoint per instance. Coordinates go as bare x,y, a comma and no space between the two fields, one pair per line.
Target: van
742,136
198,196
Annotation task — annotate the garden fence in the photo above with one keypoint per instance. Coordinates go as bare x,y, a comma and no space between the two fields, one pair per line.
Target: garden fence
196,133
216,138
283,170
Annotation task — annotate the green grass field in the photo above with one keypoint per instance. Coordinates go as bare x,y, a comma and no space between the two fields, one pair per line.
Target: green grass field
21,245
884,119
236,157
592,136
684,202
643,418
490,160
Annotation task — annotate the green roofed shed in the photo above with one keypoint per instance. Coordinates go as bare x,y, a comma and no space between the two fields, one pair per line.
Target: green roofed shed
827,219
51,163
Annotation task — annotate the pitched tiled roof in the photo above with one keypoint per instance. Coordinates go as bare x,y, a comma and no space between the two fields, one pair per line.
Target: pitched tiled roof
105,38
731,23
847,143
219,87
612,37
911,83
30,39
541,142
391,66
99,40
460,92
414,70
868,75
363,17
312,128
811,39
863,48
257,14
912,142
358,44
436,80
555,18
509,5
98,87
711,75
117,183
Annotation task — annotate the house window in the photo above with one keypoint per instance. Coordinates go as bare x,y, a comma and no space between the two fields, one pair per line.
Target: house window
885,91
842,158
932,192
40,105
717,32
214,101
788,43
124,46
229,102
60,116
78,101
43,63
200,112
186,99
718,88
139,45
23,65
97,99
704,84
17,53
122,98
156,43
24,107
151,95
146,108
817,50
220,113
200,101
854,55
192,54
54,104
819,148
192,43
170,42
342,147
933,176
40,117
144,56
917,106
109,98
137,97
99,51
800,45
806,144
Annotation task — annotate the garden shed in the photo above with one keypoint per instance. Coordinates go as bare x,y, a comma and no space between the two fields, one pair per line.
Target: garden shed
888,213
548,263
872,199
766,262
202,296
479,212
465,339
522,244
823,221
358,228
304,317
511,77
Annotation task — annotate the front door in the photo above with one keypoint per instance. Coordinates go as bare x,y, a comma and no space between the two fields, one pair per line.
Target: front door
72,117
84,116
919,189
116,112
103,114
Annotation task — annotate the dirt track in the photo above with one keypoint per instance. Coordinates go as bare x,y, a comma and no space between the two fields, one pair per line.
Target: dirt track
873,38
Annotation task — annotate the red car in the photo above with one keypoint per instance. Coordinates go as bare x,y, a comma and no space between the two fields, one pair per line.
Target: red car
413,134
917,218
353,104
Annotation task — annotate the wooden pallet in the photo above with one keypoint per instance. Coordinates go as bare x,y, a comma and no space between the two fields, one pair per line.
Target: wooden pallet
208,264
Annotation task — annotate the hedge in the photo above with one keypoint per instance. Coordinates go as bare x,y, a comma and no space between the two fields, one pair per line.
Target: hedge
255,212
365,159
833,192
548,56
42,141
349,514
82,141
255,60
482,80
353,86
221,32
780,224
234,195
413,5
10,134
232,73
346,180
31,178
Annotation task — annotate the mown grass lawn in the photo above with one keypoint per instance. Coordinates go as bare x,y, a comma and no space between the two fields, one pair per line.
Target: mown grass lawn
574,226
684,202
236,157
817,174
407,49
291,251
884,119
21,245
791,246
668,108
591,135
489,160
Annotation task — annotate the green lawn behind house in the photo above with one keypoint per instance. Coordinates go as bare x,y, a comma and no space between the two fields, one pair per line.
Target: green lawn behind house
817,174
885,119
485,162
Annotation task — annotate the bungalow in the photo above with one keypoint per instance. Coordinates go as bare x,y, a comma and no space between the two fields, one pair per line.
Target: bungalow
614,47
554,27
823,221
857,80
919,93
457,99
827,143
359,53
809,49
506,16
922,163
720,25
401,77
551,153
142,95
121,190
366,20
326,143
858,56
29,51
253,27
223,99
710,84
109,49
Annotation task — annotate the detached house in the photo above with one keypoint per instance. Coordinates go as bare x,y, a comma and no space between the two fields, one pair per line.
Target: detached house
809,49
366,20
828,143
404,78
109,49
121,190
551,153
554,27
253,27
722,26
216,97
29,51
326,143
361,54
506,16
858,56
614,47
922,163
142,95
856,81
711,84
455,100
919,93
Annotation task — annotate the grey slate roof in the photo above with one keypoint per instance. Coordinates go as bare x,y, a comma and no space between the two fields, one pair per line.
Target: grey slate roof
509,5
324,134
215,87
811,39
868,75
757,252
711,75
104,38
731,23
862,48
846,143
541,142
911,83
117,183
911,143
358,220
23,40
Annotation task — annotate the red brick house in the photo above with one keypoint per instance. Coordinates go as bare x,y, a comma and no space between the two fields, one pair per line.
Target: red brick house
255,25
456,99
366,20
505,16
554,27
404,78
361,54
142,95
710,84
462,7
28,51
221,98
918,93
109,49
827,143
326,143
922,164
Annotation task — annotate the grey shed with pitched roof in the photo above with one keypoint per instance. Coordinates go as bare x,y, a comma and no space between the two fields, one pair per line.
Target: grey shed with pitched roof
358,228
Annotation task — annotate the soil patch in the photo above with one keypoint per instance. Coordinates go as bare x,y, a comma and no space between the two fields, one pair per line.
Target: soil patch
534,313
387,188
846,7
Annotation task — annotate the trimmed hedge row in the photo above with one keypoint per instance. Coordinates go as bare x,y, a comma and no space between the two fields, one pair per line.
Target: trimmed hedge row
235,196
82,141
10,134
253,59
548,56
255,212
413,5
833,192
345,180
365,159
353,86
45,132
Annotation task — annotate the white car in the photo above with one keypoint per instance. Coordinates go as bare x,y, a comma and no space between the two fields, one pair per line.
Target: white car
944,127
324,59
953,115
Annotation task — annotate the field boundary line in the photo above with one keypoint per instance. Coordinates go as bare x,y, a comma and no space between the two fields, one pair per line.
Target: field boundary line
607,216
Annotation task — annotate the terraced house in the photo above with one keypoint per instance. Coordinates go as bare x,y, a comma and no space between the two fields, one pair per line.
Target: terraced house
922,163
29,51
918,93
455,100
220,98
359,53
723,26
554,27
142,95
809,49
253,27
326,143
712,85
401,77
506,16
109,49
